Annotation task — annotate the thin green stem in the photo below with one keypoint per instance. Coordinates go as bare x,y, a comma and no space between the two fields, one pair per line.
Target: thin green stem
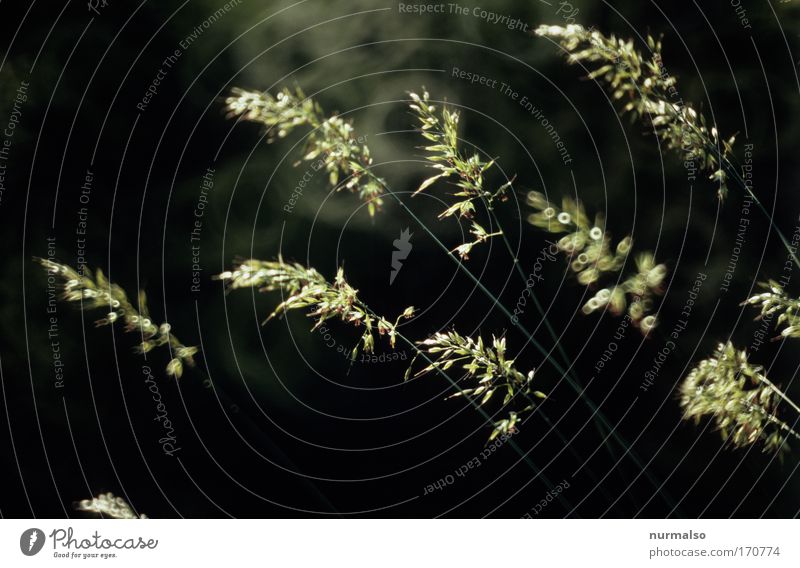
783,425
735,175
548,326
603,433
779,392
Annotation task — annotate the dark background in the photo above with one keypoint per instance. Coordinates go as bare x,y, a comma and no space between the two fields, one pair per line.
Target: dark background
290,428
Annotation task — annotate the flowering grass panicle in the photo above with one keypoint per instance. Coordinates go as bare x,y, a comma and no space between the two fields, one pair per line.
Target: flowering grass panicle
308,289
488,366
650,93
108,505
776,301
332,140
99,293
740,399
592,256
468,171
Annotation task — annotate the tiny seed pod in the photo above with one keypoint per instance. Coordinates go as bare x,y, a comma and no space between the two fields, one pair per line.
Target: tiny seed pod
175,368
648,323
592,304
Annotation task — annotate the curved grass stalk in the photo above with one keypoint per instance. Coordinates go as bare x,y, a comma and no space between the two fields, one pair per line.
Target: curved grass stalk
650,93
651,90
331,143
740,398
308,289
99,293
306,282
726,163
731,169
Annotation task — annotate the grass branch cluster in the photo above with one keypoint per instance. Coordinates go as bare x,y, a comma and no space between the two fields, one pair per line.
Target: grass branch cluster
739,397
776,301
648,92
99,293
487,366
331,142
737,394
308,289
465,171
